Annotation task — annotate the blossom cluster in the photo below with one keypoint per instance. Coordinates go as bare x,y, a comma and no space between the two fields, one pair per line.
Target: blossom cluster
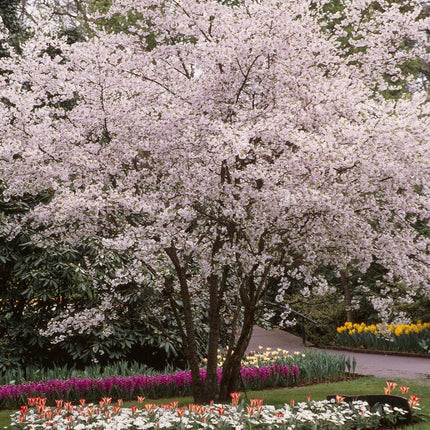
334,414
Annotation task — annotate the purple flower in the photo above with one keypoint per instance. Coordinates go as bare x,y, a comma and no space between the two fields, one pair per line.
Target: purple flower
132,385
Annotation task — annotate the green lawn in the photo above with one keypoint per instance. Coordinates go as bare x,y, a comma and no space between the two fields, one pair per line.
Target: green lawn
277,397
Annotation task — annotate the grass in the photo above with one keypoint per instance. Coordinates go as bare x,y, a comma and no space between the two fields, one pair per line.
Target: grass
277,397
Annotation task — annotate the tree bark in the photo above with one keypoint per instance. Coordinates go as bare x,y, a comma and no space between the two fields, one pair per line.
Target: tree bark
190,338
210,386
230,380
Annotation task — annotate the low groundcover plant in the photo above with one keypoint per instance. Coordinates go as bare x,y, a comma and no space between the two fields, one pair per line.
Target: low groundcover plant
334,414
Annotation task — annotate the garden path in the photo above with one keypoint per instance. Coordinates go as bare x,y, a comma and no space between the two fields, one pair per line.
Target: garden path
379,365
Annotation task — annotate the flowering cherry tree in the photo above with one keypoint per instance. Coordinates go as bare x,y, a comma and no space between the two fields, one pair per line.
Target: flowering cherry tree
246,143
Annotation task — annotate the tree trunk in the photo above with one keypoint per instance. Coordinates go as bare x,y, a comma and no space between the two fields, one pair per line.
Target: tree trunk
230,381
190,345
210,386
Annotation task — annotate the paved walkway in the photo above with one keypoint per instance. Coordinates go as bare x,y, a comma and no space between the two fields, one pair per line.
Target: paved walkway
380,365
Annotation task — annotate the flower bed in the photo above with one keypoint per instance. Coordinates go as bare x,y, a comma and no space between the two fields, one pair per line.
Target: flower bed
260,370
163,385
315,366
386,337
334,414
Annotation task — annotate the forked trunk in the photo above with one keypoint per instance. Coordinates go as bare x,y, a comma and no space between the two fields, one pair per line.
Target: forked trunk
231,378
189,338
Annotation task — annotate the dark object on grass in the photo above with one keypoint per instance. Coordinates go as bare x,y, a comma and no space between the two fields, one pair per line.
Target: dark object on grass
381,399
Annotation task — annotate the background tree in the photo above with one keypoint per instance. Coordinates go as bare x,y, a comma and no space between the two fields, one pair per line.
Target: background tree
11,16
242,147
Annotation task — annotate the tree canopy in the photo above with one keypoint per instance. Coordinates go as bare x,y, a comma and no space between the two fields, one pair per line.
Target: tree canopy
245,143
